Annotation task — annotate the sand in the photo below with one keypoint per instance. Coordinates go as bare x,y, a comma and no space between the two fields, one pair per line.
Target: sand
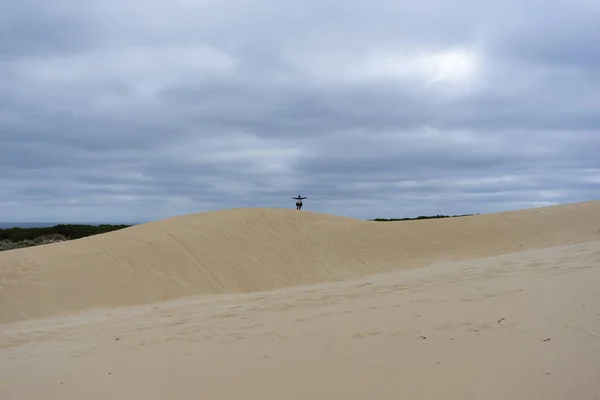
272,304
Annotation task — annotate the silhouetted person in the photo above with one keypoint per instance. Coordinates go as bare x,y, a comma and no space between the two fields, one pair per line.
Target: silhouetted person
299,202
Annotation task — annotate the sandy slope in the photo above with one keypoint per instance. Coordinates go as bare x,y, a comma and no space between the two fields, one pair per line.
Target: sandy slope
246,250
519,326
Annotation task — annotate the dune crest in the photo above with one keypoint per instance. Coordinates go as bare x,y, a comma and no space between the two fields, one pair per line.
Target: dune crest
246,250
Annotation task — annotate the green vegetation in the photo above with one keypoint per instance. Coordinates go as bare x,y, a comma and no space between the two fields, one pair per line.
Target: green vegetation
16,238
420,217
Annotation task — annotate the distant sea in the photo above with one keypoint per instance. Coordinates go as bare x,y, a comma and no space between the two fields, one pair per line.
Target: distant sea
8,225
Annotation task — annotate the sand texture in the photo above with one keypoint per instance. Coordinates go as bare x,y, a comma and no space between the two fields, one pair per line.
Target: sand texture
279,304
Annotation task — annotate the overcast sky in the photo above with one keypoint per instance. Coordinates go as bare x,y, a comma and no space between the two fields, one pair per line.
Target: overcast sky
140,110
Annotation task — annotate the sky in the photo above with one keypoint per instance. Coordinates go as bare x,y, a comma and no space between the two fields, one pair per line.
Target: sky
141,110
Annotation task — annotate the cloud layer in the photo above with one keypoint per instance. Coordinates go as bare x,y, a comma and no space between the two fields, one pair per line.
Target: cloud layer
136,111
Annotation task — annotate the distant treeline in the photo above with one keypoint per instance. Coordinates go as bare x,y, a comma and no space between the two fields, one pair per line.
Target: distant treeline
68,231
421,217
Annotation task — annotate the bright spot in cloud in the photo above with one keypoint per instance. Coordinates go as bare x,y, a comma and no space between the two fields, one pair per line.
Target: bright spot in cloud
447,68
454,67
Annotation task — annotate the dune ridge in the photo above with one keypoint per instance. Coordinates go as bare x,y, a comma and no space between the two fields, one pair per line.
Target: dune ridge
247,250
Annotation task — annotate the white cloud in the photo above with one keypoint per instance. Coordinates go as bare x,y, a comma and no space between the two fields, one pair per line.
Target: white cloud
449,67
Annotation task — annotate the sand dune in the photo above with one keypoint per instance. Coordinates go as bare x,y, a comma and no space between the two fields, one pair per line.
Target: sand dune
279,304
520,326
247,250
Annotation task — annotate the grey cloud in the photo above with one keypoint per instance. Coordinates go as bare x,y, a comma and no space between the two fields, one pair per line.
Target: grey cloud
145,110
